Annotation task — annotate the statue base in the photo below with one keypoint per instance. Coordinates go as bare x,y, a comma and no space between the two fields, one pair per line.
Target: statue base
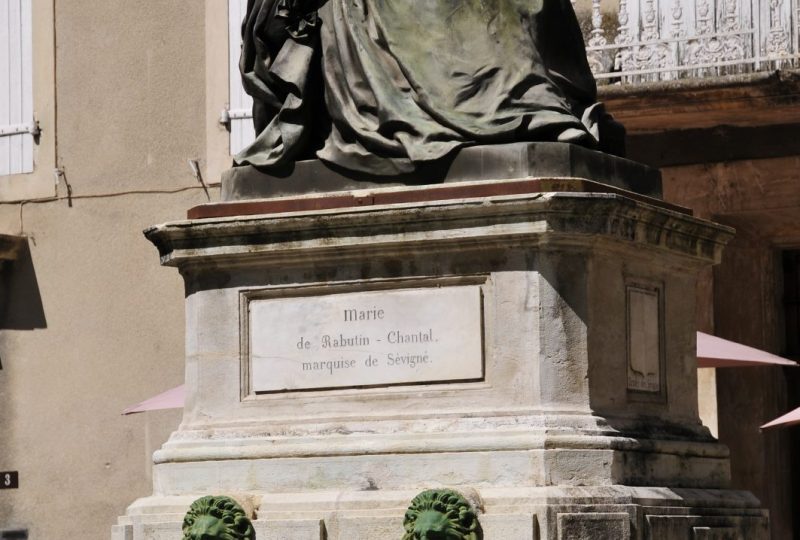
533,351
468,164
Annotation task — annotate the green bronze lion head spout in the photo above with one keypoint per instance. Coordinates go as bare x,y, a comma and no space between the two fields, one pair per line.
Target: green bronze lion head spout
217,518
441,514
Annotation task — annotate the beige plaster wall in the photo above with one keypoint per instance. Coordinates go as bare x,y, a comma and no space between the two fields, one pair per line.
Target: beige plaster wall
109,334
93,323
131,93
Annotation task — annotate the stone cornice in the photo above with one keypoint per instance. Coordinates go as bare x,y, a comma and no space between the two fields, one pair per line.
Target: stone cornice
549,220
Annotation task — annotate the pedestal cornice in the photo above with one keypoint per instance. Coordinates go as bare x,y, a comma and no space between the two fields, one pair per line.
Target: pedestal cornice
549,219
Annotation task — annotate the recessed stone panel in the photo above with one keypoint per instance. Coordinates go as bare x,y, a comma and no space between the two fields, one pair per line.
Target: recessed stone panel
644,338
592,526
371,338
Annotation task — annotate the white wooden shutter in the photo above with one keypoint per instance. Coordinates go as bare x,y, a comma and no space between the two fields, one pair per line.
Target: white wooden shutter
240,109
16,87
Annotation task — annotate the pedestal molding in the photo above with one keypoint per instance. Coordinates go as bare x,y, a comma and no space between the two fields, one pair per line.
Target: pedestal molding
564,218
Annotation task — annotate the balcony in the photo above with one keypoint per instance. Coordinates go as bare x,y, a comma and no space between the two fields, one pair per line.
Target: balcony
637,41
697,81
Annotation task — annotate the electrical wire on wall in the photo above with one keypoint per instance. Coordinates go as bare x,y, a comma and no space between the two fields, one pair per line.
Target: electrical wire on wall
60,176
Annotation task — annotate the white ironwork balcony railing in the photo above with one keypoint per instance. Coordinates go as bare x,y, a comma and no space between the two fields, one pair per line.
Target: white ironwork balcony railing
634,41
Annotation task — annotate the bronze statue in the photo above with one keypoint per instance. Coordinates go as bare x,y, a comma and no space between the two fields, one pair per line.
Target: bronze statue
382,86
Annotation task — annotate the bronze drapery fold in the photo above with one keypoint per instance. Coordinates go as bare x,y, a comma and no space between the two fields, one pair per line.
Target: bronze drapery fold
381,86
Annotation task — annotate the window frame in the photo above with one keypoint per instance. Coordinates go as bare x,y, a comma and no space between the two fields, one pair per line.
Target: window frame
41,183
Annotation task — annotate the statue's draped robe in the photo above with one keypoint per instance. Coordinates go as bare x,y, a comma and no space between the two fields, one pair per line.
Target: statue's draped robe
378,86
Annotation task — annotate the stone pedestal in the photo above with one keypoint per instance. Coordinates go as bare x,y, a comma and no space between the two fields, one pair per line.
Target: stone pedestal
558,395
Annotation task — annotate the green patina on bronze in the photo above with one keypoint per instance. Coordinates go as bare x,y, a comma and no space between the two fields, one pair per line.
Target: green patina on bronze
441,514
216,517
380,87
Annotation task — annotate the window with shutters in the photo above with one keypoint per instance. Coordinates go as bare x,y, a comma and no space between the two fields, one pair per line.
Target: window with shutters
27,100
240,108
17,125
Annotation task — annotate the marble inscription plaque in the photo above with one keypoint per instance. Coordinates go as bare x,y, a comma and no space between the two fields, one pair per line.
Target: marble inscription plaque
366,338
644,348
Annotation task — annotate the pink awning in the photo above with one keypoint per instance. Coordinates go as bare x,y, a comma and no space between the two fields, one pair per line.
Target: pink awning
788,419
717,352
171,399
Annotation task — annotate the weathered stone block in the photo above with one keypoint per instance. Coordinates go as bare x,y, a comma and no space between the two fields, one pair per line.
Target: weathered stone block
289,529
592,526
716,533
509,526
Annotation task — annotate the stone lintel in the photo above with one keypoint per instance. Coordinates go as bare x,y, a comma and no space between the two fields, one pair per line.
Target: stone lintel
722,143
751,99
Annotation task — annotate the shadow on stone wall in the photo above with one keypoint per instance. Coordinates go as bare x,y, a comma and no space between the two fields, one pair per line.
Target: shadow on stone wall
21,307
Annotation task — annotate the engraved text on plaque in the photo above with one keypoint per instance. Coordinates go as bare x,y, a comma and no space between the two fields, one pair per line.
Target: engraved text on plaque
369,338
